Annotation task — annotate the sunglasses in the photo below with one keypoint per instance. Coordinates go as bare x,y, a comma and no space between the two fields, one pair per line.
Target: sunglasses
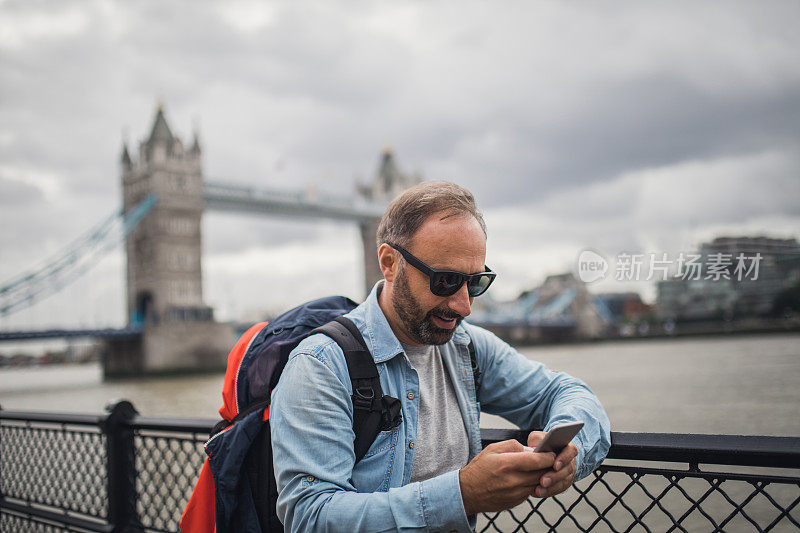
448,282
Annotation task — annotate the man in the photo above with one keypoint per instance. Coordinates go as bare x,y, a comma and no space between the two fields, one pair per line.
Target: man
429,473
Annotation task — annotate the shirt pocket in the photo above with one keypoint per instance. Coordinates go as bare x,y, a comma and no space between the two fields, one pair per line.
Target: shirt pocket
372,472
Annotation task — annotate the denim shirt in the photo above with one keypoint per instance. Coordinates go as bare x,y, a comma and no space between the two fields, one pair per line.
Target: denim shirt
321,488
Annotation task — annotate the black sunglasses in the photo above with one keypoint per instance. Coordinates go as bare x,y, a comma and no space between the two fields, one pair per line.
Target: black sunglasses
447,282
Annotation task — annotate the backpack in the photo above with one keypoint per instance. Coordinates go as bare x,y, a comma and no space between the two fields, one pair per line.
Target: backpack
236,489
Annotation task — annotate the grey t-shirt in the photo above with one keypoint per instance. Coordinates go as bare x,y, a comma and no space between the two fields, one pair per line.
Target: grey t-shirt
442,444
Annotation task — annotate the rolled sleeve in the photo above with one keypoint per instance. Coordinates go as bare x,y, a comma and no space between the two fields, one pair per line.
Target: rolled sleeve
442,506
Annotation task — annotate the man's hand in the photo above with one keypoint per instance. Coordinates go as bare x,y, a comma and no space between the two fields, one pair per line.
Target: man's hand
502,476
562,475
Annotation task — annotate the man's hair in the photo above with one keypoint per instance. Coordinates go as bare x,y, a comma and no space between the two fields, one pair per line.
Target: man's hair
410,210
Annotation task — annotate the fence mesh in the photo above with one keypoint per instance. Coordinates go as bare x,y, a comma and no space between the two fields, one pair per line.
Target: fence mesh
167,466
54,465
19,524
623,499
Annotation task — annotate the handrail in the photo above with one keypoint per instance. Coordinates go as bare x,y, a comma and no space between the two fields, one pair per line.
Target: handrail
189,425
54,418
740,450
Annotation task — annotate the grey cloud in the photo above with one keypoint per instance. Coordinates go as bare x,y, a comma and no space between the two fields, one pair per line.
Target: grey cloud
614,126
230,232
19,194
645,124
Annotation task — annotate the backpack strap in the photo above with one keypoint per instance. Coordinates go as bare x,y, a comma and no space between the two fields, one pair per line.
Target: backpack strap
224,423
476,371
372,411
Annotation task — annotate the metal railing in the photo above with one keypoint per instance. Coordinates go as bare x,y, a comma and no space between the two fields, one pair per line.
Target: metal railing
124,472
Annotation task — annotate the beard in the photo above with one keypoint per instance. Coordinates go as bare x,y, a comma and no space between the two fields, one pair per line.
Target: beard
418,323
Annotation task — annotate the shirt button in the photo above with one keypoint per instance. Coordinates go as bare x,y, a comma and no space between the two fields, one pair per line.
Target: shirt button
309,478
411,445
410,395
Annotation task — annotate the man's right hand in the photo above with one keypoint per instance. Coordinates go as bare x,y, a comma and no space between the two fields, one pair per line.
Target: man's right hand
502,476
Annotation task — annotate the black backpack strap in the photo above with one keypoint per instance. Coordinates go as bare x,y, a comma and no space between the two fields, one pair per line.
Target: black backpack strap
222,424
372,411
476,371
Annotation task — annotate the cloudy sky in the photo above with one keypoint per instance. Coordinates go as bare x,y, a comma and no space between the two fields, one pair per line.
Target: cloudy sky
638,127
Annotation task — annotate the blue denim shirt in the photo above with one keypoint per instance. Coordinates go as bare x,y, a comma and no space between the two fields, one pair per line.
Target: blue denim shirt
321,488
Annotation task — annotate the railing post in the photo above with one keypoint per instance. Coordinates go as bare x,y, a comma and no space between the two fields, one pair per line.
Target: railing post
121,467
2,494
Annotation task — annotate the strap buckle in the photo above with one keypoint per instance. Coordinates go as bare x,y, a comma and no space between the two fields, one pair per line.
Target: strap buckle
363,397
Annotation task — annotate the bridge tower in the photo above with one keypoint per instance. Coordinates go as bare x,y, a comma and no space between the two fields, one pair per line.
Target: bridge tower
388,184
164,267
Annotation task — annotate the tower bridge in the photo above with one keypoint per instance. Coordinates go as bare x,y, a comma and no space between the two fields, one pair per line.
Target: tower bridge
164,195
170,328
164,259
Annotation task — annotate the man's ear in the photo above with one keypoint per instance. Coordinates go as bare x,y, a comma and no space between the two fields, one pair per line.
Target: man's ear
388,262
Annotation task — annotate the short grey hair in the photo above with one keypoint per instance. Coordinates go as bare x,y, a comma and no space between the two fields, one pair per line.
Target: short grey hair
406,214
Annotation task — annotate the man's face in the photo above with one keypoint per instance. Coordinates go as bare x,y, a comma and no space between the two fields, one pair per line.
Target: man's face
453,243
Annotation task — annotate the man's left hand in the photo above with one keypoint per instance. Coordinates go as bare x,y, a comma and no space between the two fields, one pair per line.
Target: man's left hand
560,477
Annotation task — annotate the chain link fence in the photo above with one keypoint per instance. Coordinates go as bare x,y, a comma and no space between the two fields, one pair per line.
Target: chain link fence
125,472
621,499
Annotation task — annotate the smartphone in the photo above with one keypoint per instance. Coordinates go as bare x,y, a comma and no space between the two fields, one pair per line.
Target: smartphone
558,437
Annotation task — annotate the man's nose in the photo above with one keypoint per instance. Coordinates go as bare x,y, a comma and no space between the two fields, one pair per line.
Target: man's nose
461,302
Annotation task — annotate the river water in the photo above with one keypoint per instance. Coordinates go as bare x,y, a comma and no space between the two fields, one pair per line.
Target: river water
737,385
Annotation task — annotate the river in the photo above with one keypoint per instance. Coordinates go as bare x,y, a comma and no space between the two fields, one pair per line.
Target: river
743,384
